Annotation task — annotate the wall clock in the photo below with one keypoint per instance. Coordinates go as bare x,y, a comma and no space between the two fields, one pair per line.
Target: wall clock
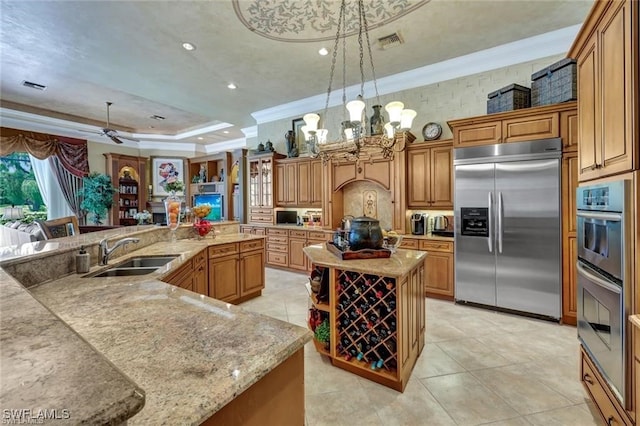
431,131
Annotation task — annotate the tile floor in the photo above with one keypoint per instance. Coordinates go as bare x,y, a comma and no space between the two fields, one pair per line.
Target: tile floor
478,367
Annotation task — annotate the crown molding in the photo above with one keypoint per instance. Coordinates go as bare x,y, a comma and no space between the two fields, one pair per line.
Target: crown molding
528,49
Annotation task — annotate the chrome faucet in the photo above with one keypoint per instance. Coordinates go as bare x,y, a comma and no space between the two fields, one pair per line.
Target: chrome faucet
104,251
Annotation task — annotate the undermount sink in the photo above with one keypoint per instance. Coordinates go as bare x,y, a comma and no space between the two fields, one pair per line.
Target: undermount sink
141,265
146,261
123,272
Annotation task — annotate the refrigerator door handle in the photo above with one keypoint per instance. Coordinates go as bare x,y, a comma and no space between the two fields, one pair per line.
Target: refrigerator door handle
500,214
490,219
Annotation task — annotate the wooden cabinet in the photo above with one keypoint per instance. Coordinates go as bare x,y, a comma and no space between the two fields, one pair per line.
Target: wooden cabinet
252,279
298,182
376,320
609,408
297,258
129,175
569,247
287,184
236,270
513,126
430,176
192,275
262,182
309,190
277,247
606,52
439,272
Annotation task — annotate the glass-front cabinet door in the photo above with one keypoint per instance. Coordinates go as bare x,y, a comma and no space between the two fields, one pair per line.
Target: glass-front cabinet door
255,184
267,182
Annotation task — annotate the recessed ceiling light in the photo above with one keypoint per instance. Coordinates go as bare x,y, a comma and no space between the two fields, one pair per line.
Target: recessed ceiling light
231,86
200,138
226,132
323,51
188,46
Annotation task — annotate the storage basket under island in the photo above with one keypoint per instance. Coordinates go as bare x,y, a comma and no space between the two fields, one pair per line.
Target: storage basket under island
376,312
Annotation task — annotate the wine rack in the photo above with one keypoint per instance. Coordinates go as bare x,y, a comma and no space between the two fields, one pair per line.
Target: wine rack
366,320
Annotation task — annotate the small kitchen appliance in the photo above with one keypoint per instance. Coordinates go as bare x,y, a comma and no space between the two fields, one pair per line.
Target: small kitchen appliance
419,223
440,223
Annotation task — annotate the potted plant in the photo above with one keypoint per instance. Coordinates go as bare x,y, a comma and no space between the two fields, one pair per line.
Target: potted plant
97,195
323,333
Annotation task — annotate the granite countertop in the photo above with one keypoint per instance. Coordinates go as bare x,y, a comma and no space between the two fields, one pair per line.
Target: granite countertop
429,237
635,320
47,366
191,354
400,262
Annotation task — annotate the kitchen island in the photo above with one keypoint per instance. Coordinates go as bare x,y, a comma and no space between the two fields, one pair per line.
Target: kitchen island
196,359
375,310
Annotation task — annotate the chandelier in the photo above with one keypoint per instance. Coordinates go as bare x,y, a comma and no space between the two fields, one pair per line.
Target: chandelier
356,138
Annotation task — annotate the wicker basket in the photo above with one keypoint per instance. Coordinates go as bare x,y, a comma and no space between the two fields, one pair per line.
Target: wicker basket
509,98
555,83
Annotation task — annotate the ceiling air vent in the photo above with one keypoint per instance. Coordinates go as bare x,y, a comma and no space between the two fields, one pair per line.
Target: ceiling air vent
33,85
157,117
392,40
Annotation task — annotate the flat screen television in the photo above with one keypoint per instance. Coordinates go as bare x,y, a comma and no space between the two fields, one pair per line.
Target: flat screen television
217,205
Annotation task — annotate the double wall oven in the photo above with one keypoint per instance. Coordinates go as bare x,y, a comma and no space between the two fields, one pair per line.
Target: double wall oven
604,295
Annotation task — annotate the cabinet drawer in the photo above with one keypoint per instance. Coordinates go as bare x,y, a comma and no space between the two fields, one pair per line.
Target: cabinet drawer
199,258
317,235
251,245
298,234
273,231
254,218
223,250
436,246
260,211
277,247
277,239
409,243
599,394
276,258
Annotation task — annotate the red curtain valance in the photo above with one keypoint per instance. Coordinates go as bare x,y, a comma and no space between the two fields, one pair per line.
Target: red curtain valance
72,153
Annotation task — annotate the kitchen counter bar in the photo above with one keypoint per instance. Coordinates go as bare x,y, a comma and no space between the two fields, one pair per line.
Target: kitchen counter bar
192,355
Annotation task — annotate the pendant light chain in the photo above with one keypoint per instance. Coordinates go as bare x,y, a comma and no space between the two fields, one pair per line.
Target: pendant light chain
334,57
373,69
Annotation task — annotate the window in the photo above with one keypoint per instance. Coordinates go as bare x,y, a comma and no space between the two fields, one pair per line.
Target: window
18,186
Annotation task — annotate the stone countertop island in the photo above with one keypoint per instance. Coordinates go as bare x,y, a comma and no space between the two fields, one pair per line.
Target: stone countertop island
375,309
193,356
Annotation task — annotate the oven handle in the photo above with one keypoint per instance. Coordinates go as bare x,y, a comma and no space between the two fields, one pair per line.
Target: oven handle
613,217
596,279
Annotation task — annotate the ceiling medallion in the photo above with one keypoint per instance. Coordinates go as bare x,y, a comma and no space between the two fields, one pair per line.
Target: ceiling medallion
314,20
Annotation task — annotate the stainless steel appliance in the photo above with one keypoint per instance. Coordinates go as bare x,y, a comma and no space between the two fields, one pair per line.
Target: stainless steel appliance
440,223
507,226
419,223
603,297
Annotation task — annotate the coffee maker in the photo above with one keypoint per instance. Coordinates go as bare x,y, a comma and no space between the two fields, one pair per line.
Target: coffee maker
419,223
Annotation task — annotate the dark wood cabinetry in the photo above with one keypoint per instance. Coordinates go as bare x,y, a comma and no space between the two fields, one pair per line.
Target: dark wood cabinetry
128,174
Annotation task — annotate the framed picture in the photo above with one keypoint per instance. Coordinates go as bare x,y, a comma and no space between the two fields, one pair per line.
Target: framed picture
164,170
301,143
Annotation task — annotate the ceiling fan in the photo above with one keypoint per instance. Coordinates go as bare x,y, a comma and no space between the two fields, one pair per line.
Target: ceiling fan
113,134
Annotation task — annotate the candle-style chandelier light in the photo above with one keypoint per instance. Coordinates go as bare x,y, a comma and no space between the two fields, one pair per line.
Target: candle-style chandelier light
356,137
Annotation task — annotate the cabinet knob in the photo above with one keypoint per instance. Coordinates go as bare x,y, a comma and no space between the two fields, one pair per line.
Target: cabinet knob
587,378
611,420
595,166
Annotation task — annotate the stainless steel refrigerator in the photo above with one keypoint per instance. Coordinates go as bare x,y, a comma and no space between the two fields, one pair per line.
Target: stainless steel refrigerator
507,220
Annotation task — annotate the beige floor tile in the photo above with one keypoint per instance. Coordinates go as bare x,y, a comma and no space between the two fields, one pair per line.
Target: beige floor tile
435,362
451,380
416,406
518,388
467,400
473,354
518,421
567,416
346,408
